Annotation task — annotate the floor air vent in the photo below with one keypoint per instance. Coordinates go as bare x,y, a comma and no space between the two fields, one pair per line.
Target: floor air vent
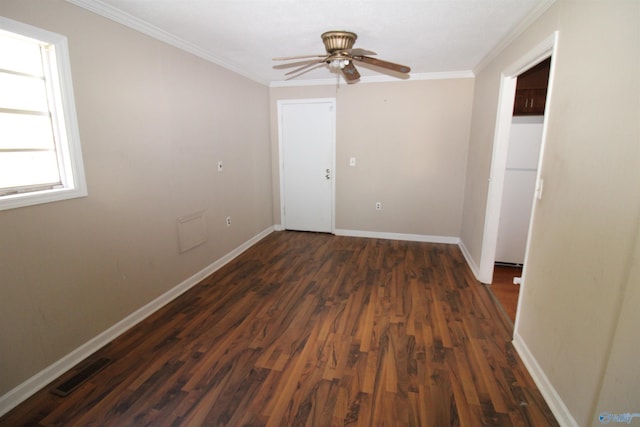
74,382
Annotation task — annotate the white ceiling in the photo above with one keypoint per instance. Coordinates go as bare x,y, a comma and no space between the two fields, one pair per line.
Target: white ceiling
431,36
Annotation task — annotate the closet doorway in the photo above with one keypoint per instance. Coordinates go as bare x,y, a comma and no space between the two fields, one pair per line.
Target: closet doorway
519,185
504,118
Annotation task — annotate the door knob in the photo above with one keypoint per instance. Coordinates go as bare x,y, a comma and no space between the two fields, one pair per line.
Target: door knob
328,175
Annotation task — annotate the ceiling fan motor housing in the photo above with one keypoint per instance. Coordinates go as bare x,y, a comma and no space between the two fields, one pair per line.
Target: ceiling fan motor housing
336,41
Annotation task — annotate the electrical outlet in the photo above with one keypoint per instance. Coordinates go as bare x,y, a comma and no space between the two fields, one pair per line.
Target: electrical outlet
219,165
378,206
228,221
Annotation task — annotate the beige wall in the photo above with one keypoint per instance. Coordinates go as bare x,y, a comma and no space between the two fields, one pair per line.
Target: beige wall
621,382
153,123
410,143
584,228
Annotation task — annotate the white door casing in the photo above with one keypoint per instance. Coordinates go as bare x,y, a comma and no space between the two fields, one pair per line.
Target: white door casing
545,49
307,164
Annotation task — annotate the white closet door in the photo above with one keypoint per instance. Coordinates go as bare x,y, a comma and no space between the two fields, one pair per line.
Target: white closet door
307,132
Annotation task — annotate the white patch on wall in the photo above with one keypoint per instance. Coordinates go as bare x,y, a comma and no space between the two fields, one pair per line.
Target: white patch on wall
192,231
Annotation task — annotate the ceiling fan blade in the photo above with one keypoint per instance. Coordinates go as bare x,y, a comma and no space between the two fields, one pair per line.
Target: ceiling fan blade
287,58
307,65
384,64
360,52
306,71
350,73
294,64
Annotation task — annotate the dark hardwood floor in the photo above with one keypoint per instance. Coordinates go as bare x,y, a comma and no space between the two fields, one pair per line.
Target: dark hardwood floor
504,290
307,329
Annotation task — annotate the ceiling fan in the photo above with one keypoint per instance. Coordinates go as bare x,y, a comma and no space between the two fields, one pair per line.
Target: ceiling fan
340,56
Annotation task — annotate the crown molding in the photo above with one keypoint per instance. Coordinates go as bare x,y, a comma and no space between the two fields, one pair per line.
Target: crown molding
518,29
109,12
445,75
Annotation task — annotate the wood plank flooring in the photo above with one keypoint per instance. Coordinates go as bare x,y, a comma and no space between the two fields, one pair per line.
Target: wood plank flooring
307,329
504,290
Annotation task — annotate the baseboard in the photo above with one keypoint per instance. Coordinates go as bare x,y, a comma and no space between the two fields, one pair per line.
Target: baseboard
551,396
25,390
470,262
398,236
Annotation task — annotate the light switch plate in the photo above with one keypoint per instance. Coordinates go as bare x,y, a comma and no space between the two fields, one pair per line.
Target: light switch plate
539,189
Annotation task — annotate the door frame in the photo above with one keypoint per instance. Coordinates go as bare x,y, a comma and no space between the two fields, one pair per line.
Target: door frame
282,102
546,48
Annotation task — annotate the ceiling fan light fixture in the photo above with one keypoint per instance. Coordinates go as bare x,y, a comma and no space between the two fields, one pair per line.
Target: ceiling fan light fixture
338,64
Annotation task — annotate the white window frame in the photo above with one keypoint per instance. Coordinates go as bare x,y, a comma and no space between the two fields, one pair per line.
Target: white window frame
71,165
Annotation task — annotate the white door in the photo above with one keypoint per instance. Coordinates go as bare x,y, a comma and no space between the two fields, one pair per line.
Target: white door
307,141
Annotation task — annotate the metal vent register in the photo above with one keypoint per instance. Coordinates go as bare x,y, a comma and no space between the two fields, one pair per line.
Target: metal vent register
75,381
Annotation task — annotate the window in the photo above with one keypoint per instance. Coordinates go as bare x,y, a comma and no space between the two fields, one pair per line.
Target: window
40,156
